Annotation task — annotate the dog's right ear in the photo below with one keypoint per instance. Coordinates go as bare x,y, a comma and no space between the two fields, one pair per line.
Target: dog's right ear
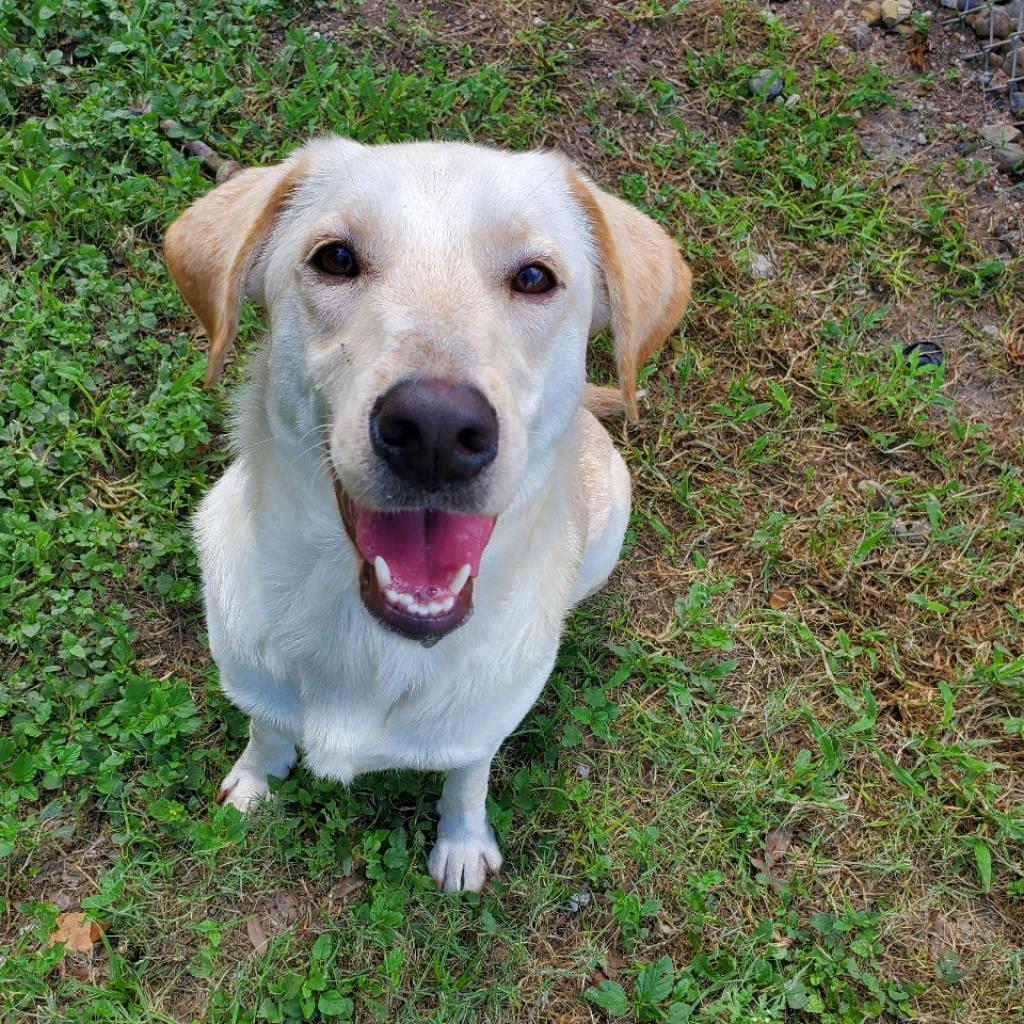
213,245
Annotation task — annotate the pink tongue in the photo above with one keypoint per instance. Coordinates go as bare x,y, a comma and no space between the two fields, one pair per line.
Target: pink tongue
424,548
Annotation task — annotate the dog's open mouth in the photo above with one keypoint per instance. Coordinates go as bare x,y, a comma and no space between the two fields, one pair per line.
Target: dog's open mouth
418,565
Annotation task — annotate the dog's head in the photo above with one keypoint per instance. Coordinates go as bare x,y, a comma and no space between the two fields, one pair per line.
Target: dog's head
429,308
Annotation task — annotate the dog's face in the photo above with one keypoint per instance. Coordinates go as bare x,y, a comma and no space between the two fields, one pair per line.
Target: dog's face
429,307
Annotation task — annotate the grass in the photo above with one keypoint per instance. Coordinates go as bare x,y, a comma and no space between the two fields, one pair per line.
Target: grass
777,772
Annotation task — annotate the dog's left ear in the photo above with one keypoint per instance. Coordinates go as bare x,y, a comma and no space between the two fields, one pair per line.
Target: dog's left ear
213,245
646,282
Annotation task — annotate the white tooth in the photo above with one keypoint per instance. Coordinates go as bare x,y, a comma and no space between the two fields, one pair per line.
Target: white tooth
434,608
406,600
459,580
447,603
380,567
391,595
420,609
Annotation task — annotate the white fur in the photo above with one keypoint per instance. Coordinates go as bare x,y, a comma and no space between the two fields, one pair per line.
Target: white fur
296,648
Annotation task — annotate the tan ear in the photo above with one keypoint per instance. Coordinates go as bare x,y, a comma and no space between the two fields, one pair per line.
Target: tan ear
646,281
212,246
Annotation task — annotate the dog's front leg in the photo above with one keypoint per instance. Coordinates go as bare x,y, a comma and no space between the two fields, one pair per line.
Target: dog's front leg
269,752
466,851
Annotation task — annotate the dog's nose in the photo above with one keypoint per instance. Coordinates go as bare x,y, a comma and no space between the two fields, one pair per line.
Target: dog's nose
434,433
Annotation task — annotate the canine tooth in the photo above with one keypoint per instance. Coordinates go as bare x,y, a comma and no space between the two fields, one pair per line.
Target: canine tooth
391,595
406,600
380,567
459,580
447,604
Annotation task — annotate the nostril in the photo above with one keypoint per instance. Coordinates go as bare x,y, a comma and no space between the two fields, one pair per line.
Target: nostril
475,439
398,431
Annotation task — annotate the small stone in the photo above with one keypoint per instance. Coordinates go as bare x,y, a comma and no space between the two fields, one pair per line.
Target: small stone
895,11
1017,101
990,330
968,5
922,139
1011,242
792,100
43,456
914,532
1000,134
762,267
871,13
928,353
766,84
575,903
1009,159
994,23
1010,55
860,37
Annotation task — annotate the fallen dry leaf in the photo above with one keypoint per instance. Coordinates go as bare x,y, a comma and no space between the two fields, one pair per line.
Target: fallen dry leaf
876,495
257,936
76,933
781,596
917,50
611,965
347,886
776,845
1015,348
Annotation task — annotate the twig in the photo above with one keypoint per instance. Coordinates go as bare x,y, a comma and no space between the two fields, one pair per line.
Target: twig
220,168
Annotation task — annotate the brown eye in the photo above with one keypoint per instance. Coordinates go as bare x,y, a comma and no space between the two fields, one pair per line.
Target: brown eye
533,279
335,259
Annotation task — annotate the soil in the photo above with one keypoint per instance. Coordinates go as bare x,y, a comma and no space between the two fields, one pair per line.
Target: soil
929,134
927,140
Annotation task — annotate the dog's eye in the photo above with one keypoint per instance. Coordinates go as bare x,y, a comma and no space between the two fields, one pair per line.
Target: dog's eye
335,259
533,279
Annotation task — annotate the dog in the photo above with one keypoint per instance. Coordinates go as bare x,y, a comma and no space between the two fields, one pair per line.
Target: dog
419,493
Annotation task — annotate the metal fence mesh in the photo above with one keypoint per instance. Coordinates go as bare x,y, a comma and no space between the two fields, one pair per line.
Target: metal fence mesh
997,53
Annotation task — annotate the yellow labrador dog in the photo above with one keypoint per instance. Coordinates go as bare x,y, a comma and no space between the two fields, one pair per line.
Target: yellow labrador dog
420,493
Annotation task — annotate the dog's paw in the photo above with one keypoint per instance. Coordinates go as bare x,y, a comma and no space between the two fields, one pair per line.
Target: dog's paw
462,860
244,788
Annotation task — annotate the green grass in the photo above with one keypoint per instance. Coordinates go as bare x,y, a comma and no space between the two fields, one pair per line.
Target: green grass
774,657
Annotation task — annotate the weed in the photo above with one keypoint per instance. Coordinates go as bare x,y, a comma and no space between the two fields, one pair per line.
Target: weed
873,713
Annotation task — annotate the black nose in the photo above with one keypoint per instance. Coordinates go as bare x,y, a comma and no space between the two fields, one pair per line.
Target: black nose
434,433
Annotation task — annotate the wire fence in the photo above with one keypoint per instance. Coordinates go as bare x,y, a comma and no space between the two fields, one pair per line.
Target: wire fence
999,27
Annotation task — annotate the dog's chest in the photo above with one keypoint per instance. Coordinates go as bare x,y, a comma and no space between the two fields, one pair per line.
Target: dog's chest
371,706
298,649
356,698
